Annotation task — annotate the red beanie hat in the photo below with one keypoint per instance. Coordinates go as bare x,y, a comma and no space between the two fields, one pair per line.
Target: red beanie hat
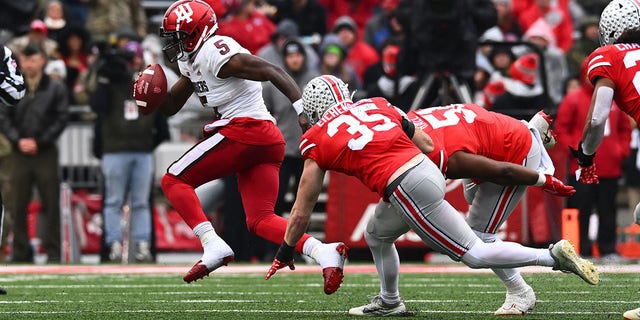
525,68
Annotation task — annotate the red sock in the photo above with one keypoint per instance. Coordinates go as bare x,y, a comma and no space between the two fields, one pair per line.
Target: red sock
273,227
184,200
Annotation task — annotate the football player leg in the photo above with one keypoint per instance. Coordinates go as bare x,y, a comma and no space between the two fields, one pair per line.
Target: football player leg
383,229
258,186
442,228
491,206
212,158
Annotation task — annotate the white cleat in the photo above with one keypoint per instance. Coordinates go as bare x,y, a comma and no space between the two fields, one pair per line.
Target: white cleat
378,308
217,253
331,257
518,304
567,260
632,314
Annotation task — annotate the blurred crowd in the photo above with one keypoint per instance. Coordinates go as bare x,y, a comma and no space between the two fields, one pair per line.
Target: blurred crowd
513,56
529,55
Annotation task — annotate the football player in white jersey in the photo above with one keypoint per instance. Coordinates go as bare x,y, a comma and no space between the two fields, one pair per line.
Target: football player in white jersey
12,89
243,139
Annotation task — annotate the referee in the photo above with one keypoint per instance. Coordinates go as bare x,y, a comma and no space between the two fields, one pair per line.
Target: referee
11,91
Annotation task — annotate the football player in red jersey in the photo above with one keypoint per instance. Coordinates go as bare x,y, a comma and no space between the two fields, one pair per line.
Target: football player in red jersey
374,141
503,156
243,140
614,71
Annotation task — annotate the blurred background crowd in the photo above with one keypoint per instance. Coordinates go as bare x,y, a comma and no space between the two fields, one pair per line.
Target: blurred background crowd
511,56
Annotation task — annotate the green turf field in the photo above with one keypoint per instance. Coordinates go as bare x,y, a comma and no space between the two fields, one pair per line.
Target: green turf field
300,296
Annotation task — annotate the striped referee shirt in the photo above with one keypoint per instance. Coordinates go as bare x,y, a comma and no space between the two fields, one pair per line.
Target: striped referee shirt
11,82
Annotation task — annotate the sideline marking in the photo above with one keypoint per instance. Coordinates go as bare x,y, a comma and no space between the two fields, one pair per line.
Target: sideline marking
262,269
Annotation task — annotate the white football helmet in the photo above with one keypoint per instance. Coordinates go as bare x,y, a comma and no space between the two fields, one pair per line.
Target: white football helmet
321,94
617,17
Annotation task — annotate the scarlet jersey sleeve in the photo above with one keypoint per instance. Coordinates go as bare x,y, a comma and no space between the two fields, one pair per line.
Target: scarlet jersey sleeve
364,139
619,63
600,63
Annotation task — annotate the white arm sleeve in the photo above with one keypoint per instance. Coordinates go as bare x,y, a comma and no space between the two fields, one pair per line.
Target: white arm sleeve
602,107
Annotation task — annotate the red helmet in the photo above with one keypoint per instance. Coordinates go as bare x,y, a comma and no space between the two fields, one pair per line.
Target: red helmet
187,24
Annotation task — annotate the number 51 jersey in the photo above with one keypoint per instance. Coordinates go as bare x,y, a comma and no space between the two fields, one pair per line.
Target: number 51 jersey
364,139
619,63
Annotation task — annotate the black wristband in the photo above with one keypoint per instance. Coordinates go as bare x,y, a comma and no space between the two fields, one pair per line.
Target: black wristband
285,252
583,159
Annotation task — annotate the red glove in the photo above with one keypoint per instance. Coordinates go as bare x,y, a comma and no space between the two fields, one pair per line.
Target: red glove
285,253
588,174
277,265
557,187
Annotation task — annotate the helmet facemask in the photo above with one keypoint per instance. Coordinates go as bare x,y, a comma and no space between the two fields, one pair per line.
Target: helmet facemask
174,48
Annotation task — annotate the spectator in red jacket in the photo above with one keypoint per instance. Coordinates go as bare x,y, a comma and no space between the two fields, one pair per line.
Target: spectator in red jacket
558,19
359,10
569,123
360,54
247,25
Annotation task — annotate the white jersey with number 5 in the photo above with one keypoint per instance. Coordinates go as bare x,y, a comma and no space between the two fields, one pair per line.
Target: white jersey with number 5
234,97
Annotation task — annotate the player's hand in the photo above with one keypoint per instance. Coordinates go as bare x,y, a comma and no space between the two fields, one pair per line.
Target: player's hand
304,123
284,258
583,159
557,187
277,265
587,174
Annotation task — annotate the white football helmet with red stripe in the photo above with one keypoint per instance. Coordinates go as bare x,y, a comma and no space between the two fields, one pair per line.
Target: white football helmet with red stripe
321,94
617,17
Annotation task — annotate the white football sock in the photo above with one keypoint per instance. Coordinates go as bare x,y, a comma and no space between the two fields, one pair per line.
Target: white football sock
309,245
505,255
205,232
511,277
387,261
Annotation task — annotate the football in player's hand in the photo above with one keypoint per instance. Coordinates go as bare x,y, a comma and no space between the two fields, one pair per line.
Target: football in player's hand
150,89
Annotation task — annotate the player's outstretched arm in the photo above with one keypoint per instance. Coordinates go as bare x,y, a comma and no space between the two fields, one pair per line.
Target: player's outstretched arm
250,67
422,140
599,109
306,198
466,165
308,191
177,96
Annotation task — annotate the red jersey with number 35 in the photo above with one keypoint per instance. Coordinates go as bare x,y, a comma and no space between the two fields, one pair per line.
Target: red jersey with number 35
363,139
473,129
619,63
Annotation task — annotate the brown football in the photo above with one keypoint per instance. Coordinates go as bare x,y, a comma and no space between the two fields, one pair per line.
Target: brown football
150,89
